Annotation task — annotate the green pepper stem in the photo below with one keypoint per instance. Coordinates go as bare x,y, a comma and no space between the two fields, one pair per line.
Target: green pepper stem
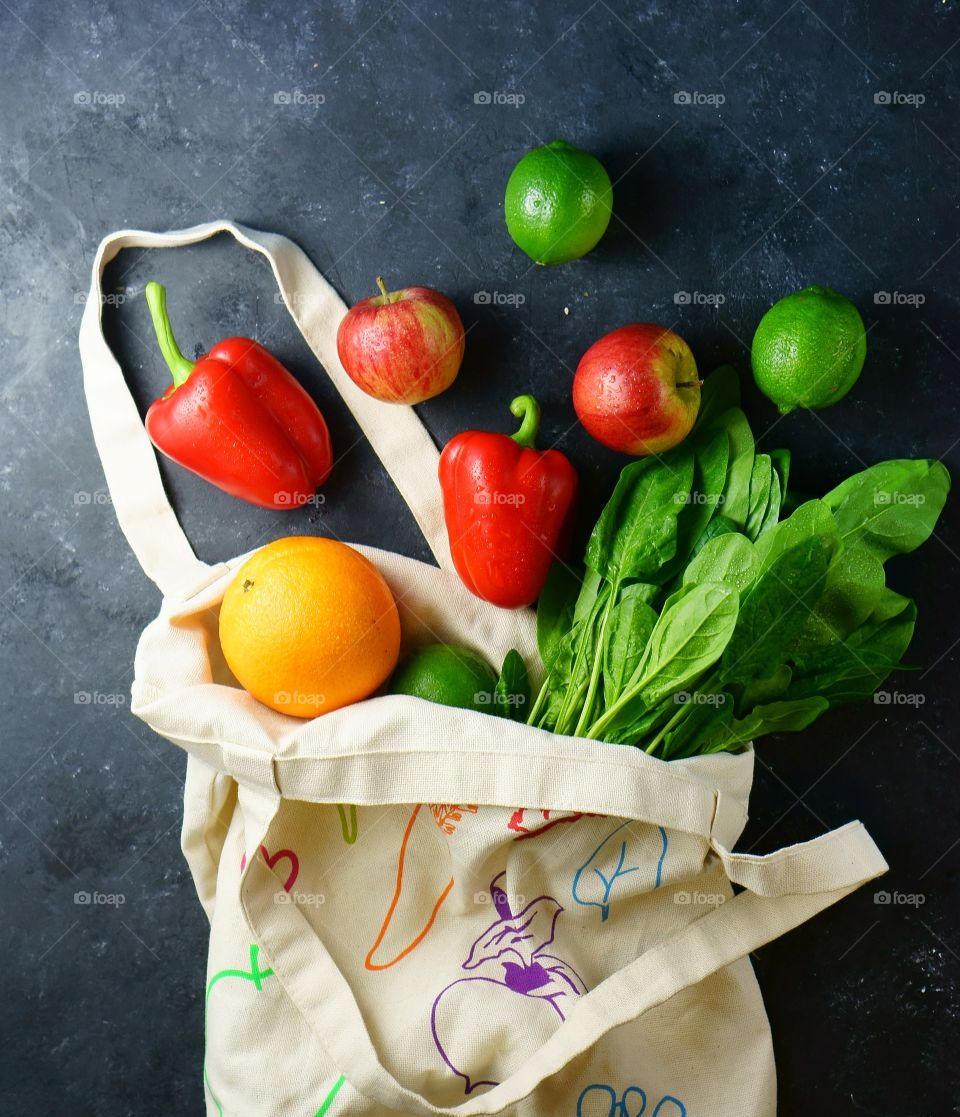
527,410
180,367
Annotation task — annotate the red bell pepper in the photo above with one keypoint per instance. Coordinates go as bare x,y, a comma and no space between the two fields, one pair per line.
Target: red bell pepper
238,419
508,508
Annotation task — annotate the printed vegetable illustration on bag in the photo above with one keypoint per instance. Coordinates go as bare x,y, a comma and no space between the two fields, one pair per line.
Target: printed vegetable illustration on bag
520,986
599,1100
616,857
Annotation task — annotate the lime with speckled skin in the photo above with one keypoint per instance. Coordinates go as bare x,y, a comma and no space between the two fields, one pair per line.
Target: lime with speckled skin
448,674
557,203
809,349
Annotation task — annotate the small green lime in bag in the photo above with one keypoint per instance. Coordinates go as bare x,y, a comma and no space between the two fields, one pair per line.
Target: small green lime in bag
448,674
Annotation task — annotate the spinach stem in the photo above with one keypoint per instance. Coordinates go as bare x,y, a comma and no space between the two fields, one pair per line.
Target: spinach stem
665,729
568,706
604,720
538,704
585,714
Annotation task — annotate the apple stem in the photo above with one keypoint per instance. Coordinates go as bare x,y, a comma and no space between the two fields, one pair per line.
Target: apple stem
383,289
527,410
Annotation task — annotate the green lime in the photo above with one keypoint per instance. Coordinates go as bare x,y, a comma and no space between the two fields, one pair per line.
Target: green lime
557,203
809,349
447,674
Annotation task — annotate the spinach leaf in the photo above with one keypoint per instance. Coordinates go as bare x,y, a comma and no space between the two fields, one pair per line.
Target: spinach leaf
892,507
855,582
726,558
703,501
811,518
720,393
853,669
637,530
689,636
891,604
631,623
772,514
775,608
736,490
587,598
776,717
780,460
555,610
761,478
718,526
758,691
511,695
706,717
553,695
623,730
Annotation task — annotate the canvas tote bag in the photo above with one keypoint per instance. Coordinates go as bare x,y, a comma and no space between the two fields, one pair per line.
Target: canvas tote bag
421,910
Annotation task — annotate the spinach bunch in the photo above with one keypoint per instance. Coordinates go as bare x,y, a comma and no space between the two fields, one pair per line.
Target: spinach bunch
703,620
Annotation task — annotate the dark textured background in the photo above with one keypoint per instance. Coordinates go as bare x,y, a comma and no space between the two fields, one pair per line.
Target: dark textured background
122,114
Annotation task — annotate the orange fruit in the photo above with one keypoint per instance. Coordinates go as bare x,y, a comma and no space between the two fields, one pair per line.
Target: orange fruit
309,625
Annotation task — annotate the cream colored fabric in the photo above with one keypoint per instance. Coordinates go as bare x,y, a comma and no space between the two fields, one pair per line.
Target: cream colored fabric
418,910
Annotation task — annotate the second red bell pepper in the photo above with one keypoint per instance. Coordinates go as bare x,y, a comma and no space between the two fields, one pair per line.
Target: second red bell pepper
239,419
508,508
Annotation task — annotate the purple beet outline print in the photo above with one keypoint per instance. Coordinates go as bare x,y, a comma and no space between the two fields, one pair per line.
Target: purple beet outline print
529,980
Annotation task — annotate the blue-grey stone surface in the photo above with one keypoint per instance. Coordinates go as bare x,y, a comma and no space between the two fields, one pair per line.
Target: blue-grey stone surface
756,148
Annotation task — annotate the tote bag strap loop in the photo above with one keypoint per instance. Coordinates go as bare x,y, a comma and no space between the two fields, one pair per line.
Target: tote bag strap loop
782,890
143,511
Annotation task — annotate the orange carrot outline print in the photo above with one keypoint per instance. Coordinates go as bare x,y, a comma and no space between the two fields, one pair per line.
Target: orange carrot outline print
368,961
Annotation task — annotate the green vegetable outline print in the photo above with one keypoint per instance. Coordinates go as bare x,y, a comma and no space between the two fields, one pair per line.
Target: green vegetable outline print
619,871
257,977
348,822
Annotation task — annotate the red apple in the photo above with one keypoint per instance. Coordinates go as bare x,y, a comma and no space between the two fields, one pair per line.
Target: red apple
402,346
637,390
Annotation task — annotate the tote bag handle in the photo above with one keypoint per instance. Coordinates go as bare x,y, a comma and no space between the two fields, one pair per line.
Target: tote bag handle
146,518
